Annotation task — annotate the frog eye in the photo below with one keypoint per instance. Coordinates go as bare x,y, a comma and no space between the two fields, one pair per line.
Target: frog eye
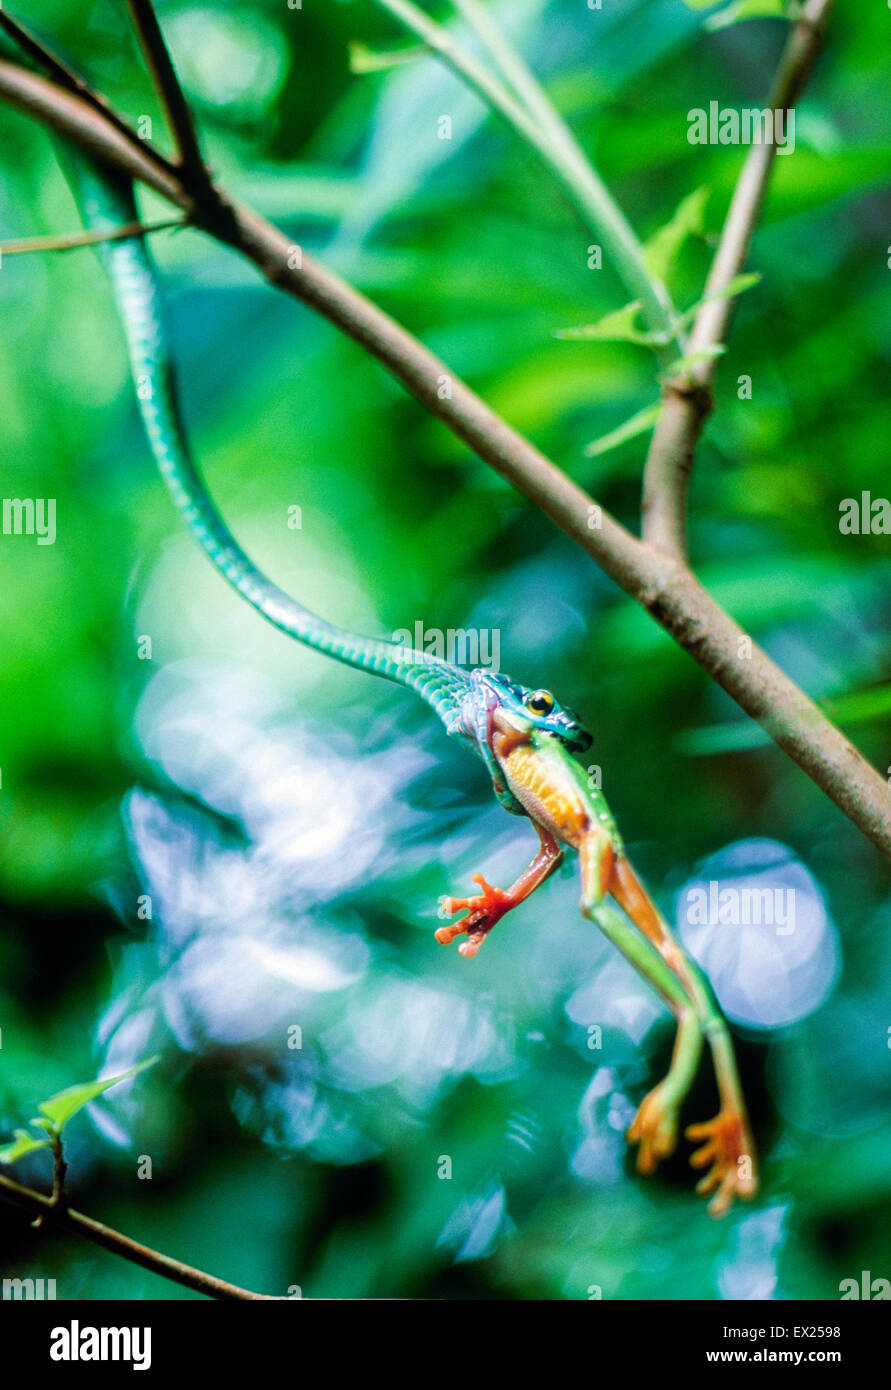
541,702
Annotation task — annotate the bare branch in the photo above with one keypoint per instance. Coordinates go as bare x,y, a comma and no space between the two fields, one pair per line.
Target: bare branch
77,119
54,1215
176,108
66,77
688,402
72,240
796,63
661,583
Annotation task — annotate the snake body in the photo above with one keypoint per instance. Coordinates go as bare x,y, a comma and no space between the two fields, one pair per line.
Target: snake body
106,203
526,738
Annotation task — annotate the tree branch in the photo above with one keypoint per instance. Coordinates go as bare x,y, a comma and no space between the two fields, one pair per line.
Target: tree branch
66,77
687,403
170,93
55,1216
75,118
661,583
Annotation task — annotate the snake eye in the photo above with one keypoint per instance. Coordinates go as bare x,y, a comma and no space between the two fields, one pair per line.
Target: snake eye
542,702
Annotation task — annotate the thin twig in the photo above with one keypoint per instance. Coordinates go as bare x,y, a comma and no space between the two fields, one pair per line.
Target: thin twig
798,58
660,583
657,304
511,65
54,1215
688,402
72,240
555,145
67,77
170,93
58,1200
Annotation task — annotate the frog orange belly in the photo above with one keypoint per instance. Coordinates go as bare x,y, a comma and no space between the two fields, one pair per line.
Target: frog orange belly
552,799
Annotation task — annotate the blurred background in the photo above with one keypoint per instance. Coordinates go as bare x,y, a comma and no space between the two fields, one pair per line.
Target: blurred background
225,849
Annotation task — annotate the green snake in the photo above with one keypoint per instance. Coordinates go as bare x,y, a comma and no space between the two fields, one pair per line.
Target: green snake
524,735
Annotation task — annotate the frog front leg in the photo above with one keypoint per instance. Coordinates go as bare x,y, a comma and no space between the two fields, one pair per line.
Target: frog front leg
488,907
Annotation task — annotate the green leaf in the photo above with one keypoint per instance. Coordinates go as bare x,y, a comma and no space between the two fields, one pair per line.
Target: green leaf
364,59
638,424
618,327
737,736
663,246
314,192
859,706
24,1143
60,1108
746,9
738,285
818,180
683,364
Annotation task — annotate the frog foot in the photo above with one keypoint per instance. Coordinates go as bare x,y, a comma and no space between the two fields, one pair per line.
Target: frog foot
654,1129
729,1154
483,911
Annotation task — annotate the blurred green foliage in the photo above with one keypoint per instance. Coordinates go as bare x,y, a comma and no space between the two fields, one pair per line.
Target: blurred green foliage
466,243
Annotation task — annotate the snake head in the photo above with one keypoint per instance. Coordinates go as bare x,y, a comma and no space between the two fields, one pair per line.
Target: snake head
525,708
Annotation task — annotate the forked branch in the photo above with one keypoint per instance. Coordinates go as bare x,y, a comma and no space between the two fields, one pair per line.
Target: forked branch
656,576
55,1216
687,401
170,93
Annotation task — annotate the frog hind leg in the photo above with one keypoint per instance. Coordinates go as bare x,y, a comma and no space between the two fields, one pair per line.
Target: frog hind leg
727,1149
655,1126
